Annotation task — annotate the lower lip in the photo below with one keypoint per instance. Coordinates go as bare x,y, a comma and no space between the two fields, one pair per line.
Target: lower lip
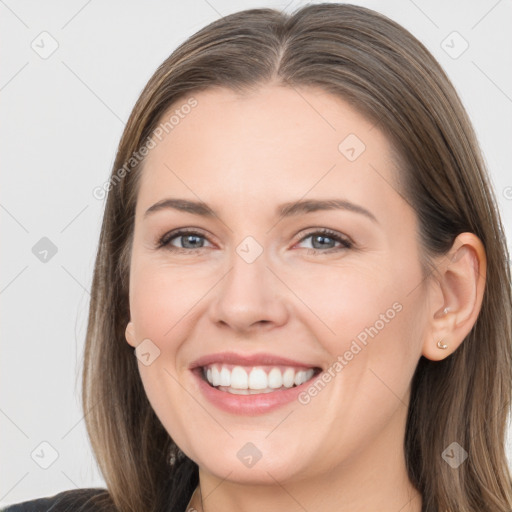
249,405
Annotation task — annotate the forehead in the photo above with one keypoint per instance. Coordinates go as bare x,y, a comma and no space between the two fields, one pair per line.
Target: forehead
274,143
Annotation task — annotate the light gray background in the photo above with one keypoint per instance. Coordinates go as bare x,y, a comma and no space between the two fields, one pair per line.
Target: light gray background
62,117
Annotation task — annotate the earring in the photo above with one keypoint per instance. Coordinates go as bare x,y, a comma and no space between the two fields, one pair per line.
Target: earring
441,345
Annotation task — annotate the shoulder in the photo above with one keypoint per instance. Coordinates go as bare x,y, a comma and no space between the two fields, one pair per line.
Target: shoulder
76,500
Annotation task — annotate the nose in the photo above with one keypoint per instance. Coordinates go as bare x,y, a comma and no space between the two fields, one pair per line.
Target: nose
250,297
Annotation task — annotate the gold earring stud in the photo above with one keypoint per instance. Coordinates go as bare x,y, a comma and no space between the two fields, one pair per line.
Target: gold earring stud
441,345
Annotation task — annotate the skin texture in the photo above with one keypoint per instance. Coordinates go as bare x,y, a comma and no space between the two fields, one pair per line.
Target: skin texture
243,156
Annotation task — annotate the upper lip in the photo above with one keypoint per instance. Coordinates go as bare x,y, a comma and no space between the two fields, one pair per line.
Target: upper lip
259,359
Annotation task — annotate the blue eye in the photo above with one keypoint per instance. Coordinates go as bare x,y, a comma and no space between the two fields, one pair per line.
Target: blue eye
190,240
323,238
193,240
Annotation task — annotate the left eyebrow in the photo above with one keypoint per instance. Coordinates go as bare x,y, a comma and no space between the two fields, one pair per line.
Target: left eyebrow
314,205
289,209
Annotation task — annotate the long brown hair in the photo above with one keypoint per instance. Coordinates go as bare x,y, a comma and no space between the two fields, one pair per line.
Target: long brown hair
391,78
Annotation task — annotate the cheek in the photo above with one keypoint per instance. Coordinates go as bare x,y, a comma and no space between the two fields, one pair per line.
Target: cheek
162,297
365,317
340,301
160,300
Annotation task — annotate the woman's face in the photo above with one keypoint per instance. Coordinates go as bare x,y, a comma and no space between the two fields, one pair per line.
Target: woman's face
250,281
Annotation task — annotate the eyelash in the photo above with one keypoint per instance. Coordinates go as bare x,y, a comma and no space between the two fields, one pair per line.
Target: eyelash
164,241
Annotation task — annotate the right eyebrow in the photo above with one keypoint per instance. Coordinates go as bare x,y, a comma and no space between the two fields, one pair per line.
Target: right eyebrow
183,205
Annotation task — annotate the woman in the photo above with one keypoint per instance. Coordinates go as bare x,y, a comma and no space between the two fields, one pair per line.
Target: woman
302,249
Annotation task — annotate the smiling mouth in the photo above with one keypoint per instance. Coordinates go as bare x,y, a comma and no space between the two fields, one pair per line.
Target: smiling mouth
242,380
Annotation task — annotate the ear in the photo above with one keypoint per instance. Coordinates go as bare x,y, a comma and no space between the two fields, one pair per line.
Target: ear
455,296
130,334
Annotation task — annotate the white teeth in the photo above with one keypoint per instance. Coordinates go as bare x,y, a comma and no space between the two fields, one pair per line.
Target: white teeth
241,380
275,378
288,377
299,378
215,376
225,377
258,379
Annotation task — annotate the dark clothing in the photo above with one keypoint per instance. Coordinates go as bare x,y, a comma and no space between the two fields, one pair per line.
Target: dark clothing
78,500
